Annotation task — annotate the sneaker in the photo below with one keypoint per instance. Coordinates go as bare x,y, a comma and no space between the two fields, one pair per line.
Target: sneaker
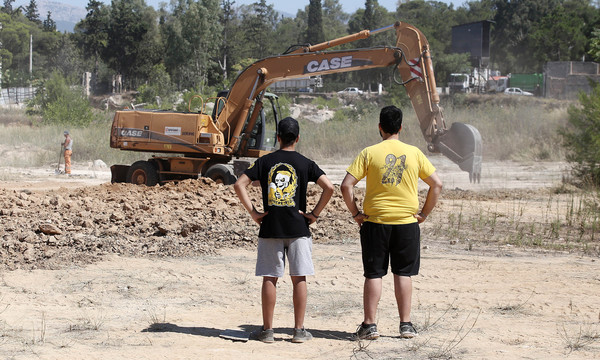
407,330
366,332
265,336
301,335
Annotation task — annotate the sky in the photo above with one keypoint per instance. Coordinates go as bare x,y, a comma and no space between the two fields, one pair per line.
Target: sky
349,6
292,6
287,6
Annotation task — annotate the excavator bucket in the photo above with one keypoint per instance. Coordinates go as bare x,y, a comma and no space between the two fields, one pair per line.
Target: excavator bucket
462,144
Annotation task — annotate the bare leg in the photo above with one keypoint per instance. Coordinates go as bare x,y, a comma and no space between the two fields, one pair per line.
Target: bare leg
403,291
371,296
269,296
300,294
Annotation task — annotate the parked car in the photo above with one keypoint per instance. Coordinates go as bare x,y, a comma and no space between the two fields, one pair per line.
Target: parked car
516,91
305,89
351,90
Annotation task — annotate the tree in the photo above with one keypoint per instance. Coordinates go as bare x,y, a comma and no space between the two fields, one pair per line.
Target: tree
259,20
582,136
314,29
91,34
49,24
595,45
132,48
157,87
227,19
192,36
59,103
31,12
8,6
515,21
372,17
563,34
334,20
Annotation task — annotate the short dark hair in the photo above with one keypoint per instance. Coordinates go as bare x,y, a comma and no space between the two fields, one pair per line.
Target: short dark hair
390,119
288,131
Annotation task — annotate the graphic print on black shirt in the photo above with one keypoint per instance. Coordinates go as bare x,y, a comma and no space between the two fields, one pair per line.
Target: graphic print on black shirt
394,169
284,176
283,183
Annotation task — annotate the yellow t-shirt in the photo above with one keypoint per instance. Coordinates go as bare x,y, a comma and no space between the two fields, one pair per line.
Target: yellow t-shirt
393,169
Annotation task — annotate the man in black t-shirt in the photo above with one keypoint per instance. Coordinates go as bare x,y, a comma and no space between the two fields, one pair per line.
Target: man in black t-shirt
284,176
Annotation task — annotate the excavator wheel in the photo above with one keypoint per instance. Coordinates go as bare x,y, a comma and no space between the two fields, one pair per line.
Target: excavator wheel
221,174
142,173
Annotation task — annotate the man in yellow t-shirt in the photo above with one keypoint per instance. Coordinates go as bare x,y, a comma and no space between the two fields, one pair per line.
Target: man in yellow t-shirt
389,222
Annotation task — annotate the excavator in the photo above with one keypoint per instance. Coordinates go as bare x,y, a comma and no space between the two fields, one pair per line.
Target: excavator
193,144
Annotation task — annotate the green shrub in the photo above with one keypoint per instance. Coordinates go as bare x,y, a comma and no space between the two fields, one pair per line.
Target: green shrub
582,136
158,86
60,104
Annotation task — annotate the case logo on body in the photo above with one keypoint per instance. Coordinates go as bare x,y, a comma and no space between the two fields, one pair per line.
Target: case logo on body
325,64
131,133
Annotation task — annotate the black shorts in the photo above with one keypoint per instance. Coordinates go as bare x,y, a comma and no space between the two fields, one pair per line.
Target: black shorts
380,243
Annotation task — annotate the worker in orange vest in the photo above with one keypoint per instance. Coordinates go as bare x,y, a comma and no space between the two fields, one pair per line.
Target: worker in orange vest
68,145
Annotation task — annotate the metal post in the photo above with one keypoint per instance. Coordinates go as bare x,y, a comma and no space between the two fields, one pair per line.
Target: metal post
30,56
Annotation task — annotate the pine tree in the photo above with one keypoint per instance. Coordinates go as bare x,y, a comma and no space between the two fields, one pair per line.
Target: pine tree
49,24
314,31
31,12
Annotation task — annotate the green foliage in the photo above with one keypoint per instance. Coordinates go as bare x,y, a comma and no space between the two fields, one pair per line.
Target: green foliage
58,103
192,41
446,64
132,47
397,96
258,21
91,33
49,24
569,40
197,101
158,87
582,136
515,22
595,45
314,29
332,103
31,12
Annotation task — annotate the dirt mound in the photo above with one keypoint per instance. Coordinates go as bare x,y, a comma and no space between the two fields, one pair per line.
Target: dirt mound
54,228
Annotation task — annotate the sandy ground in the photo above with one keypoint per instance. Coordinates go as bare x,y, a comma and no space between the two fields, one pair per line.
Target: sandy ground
468,305
482,302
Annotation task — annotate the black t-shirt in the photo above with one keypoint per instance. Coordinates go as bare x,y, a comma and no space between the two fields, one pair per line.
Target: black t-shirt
284,176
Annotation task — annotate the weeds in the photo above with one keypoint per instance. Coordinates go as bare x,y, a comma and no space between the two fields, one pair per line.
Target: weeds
38,336
156,321
88,323
445,350
565,222
515,308
586,335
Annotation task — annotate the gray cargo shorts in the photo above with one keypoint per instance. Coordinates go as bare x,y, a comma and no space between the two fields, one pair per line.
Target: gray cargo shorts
272,253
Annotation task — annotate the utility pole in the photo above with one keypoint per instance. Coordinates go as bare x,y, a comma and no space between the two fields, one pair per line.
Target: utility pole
30,56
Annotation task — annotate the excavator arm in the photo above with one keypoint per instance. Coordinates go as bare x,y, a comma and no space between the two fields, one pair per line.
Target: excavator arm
411,60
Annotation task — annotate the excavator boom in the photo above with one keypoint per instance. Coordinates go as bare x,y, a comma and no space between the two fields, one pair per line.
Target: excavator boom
411,59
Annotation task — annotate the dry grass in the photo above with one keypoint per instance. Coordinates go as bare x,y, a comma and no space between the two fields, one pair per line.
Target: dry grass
528,125
511,129
540,219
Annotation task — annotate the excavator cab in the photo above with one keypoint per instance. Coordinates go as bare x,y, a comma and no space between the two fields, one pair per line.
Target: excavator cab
264,134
